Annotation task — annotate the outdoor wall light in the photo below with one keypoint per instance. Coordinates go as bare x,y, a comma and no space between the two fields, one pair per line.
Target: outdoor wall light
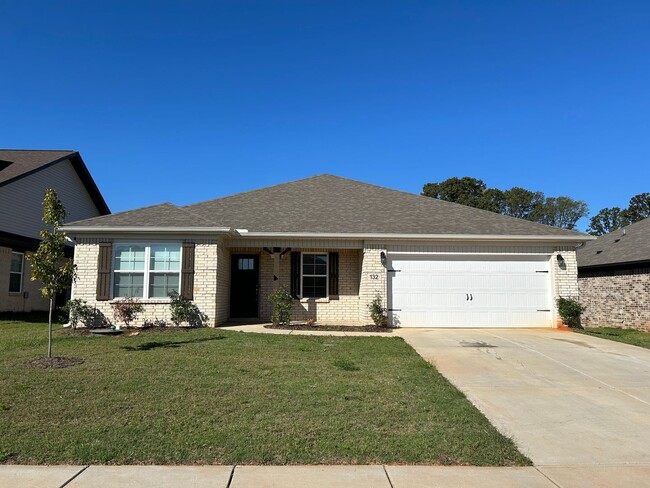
560,259
382,256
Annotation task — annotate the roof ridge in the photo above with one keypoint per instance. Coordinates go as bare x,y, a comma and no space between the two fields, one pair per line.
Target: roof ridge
257,189
40,150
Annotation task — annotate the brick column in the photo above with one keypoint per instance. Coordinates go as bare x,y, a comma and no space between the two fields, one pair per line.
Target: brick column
373,280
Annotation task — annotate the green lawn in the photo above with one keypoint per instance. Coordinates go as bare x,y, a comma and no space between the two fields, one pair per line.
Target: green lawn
224,397
629,336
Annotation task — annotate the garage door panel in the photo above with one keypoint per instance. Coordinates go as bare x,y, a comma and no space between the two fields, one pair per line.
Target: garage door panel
434,291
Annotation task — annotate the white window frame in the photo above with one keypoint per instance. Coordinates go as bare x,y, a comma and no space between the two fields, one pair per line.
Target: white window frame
327,274
22,270
147,271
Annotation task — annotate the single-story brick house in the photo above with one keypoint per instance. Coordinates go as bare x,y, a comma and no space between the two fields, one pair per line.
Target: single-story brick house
614,278
337,243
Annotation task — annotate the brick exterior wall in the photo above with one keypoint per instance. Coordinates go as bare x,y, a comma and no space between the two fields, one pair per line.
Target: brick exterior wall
342,309
616,298
16,302
205,283
374,281
361,278
565,278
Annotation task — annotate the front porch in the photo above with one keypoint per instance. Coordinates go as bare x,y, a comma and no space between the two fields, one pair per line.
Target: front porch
324,281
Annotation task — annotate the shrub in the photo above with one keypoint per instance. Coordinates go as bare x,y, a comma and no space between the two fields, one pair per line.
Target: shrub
79,311
183,310
378,313
570,310
281,300
127,309
156,322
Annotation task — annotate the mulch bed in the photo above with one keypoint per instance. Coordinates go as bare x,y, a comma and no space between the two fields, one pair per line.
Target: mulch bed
54,362
335,328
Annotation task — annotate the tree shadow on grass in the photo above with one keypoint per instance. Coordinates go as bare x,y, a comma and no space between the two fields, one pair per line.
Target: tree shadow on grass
148,346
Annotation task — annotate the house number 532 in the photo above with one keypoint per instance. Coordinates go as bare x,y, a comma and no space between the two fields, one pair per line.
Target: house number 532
374,276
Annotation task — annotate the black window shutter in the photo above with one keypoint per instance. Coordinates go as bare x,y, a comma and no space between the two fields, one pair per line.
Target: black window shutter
334,273
104,264
187,271
295,274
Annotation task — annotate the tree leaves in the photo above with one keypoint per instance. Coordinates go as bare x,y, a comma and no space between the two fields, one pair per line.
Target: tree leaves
611,219
516,202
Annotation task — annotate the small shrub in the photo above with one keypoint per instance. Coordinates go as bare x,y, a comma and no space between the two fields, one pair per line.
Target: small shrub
184,311
281,300
570,310
159,323
79,311
127,309
378,313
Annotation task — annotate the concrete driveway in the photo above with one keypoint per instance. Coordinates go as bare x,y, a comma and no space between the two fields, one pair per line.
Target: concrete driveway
565,398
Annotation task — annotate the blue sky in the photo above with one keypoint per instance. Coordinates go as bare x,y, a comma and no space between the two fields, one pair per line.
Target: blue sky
187,101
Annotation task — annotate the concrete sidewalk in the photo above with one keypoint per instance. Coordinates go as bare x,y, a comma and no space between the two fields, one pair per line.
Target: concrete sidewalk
380,476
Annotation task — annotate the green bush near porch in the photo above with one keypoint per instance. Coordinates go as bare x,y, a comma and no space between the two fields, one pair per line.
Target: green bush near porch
222,397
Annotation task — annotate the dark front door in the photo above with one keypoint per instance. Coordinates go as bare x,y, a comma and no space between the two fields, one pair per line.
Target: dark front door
244,285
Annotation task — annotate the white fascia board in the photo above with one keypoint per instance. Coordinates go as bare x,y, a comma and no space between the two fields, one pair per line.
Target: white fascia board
149,230
429,237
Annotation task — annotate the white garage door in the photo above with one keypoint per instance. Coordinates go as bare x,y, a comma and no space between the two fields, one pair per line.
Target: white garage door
469,291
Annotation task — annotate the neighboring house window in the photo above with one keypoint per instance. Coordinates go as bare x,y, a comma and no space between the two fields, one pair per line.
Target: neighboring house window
146,271
16,272
314,275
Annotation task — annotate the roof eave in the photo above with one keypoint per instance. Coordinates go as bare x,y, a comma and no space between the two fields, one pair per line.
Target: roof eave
148,230
435,237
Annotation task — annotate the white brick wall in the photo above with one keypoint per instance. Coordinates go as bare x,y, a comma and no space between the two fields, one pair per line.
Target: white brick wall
205,283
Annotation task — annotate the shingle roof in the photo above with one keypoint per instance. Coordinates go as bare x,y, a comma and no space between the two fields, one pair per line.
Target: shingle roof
161,215
628,245
23,161
331,204
19,163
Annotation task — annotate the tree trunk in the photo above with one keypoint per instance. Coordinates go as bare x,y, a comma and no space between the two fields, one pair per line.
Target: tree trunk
49,331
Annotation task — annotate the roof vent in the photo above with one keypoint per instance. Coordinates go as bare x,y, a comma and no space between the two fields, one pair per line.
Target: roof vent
617,240
4,164
598,252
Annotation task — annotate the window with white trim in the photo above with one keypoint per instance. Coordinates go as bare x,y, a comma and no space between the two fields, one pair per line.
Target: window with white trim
314,275
16,272
146,270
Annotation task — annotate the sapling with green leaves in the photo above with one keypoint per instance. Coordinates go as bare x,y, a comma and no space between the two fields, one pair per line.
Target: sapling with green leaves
49,264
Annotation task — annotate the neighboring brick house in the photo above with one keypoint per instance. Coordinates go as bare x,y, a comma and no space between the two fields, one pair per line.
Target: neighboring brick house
337,244
614,278
24,177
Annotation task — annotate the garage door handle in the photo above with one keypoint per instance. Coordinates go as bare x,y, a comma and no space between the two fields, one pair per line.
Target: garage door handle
471,297
466,297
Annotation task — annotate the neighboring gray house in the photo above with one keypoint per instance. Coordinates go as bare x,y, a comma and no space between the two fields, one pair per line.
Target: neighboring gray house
24,177
337,244
614,278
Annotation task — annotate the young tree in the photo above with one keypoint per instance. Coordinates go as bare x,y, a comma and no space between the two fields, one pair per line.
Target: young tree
49,264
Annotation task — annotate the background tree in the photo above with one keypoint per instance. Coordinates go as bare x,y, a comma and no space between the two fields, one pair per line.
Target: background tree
611,219
639,207
517,202
522,203
48,263
561,212
465,190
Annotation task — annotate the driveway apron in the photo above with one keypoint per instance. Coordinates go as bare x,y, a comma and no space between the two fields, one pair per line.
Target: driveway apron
564,398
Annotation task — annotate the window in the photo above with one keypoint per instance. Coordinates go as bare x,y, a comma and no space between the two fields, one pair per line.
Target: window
246,263
314,275
146,271
16,272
